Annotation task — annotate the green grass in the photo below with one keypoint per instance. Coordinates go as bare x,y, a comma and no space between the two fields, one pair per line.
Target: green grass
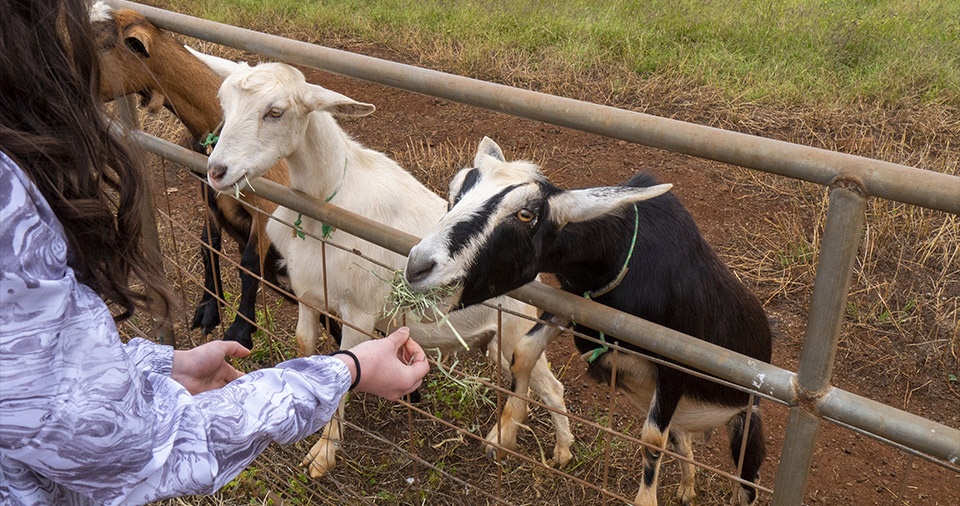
798,52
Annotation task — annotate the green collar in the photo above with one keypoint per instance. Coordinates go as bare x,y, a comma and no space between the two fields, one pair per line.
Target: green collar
211,139
325,229
605,289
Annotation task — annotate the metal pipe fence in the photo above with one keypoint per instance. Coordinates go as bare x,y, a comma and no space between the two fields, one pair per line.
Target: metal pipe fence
852,181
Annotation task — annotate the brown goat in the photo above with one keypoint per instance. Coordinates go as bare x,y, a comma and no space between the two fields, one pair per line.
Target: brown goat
137,57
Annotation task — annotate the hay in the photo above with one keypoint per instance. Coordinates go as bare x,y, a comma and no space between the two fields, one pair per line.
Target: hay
421,306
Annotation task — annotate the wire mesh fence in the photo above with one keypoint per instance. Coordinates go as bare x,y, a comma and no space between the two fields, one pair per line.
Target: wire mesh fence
432,451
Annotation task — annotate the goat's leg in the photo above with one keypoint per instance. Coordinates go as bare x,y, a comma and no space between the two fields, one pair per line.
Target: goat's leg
753,456
528,350
655,431
206,317
308,329
244,325
550,390
322,457
686,493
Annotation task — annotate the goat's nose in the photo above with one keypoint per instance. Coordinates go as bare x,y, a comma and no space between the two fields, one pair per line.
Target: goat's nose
418,268
216,172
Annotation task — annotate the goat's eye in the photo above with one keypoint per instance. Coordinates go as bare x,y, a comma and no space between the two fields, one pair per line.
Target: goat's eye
525,215
274,112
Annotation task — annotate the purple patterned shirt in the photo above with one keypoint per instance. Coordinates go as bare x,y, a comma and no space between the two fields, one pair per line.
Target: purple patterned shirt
86,419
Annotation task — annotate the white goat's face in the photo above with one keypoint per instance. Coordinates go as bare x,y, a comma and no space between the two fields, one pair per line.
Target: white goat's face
262,123
266,112
502,218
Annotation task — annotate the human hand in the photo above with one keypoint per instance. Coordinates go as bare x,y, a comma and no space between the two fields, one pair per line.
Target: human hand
390,367
205,367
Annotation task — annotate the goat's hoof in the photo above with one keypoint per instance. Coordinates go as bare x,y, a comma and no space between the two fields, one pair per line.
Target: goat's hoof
686,496
744,497
561,456
492,449
206,317
241,334
414,397
499,441
316,464
492,454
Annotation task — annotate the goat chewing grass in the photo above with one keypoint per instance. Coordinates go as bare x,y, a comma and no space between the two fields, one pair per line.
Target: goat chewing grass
422,306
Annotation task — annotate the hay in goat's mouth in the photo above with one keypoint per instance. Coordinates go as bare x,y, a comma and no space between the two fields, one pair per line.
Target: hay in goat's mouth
421,306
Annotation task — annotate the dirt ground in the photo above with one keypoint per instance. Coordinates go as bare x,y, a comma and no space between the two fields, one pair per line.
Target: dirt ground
848,469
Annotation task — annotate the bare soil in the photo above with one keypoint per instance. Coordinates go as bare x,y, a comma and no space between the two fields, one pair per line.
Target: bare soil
848,469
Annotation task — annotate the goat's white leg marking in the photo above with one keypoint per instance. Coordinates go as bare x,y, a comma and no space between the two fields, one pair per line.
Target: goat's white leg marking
323,456
550,391
686,493
527,353
741,498
650,434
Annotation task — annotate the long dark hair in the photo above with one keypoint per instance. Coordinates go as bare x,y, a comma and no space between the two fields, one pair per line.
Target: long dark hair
52,124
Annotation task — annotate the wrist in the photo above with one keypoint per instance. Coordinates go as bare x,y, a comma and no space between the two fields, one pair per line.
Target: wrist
353,365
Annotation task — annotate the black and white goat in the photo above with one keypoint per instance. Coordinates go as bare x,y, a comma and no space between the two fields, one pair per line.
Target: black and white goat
506,223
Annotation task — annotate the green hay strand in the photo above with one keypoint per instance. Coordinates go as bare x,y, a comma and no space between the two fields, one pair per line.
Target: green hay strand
421,306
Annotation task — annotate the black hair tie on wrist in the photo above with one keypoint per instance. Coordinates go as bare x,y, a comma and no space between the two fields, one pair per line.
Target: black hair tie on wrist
355,361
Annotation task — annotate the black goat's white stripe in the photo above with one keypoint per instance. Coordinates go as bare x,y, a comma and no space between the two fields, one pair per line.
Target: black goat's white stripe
463,232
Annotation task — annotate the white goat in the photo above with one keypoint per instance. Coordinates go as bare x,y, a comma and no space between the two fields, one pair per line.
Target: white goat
271,112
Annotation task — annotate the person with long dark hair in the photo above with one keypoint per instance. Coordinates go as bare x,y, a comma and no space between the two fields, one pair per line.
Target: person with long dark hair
84,417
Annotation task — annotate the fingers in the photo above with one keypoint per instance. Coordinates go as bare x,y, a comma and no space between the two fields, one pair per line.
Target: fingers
408,351
393,366
420,367
233,349
400,336
412,349
233,374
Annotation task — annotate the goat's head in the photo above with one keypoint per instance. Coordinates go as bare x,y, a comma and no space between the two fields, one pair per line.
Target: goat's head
125,39
266,111
501,216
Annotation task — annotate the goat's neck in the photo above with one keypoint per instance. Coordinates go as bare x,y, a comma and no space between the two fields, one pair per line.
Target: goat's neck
583,258
318,167
190,88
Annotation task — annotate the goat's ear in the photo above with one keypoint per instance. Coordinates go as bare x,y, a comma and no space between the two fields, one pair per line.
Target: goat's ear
321,99
138,42
589,203
487,148
221,66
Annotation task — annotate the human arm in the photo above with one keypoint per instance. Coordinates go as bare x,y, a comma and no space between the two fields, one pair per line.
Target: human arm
79,416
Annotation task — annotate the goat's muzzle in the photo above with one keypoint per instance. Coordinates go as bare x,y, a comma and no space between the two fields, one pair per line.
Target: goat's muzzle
418,268
215,173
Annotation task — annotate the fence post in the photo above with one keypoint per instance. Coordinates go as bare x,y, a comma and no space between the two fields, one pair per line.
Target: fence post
846,216
163,329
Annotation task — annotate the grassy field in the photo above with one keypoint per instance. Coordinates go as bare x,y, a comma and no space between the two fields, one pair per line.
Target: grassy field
792,52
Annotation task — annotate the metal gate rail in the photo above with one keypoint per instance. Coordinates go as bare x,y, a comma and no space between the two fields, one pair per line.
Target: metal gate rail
851,179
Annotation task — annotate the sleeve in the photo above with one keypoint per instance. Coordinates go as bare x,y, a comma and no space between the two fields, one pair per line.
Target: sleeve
150,356
105,420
